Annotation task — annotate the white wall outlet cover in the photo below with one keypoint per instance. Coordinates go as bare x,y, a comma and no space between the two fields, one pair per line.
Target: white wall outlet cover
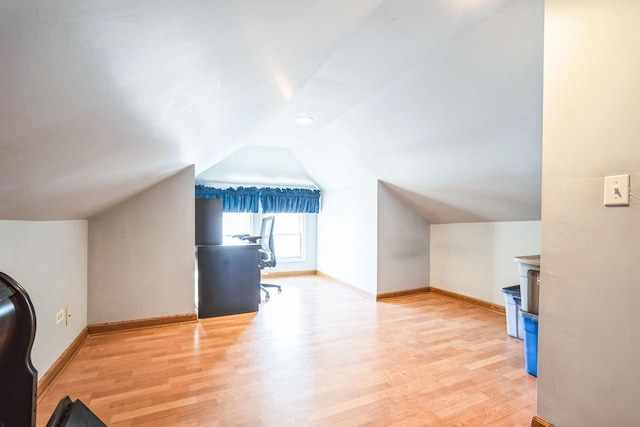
616,190
59,316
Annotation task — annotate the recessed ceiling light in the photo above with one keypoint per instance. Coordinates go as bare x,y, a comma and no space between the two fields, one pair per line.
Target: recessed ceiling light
304,120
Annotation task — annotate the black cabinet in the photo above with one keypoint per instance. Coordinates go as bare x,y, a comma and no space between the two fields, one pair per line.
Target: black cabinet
228,279
208,221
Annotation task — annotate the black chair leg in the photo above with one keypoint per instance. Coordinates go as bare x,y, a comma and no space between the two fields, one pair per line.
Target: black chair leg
264,287
267,285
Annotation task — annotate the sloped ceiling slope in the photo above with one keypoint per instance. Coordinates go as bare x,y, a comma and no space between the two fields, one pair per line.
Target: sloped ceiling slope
258,165
441,99
457,135
103,99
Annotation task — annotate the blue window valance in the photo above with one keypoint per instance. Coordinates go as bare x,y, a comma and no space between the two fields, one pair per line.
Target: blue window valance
240,199
289,200
273,200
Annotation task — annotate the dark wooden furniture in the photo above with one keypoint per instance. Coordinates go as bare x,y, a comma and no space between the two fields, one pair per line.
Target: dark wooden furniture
18,377
73,414
208,221
228,279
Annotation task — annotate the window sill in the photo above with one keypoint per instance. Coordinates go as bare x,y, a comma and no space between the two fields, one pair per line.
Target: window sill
290,260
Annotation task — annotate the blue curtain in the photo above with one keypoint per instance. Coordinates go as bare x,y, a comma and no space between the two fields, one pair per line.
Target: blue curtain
233,200
273,200
289,200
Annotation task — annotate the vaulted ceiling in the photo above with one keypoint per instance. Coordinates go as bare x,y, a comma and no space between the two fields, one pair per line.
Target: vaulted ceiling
440,99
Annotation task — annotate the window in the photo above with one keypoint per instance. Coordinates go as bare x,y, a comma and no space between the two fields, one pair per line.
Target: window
236,223
288,231
288,236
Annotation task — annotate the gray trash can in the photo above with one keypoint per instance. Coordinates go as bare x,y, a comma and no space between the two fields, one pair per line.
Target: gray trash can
512,305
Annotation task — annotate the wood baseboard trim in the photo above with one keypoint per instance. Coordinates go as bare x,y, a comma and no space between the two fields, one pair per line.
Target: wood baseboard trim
539,422
152,322
470,300
104,328
277,274
404,293
59,365
353,288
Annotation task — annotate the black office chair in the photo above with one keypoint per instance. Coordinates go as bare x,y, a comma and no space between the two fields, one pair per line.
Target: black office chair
267,251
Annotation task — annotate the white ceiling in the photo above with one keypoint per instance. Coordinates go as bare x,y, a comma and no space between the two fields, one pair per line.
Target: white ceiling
258,165
440,99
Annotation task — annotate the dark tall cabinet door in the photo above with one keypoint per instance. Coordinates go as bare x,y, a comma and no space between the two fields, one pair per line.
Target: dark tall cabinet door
228,280
208,222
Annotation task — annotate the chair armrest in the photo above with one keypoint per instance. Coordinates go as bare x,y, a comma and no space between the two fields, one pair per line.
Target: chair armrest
252,239
239,236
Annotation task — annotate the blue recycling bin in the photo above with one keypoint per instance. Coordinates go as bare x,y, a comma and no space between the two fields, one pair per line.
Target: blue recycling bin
530,342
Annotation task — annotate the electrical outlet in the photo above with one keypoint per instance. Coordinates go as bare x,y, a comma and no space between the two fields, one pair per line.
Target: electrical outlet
68,311
616,190
59,317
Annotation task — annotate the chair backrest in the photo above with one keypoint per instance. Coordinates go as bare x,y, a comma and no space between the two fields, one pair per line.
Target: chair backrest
266,231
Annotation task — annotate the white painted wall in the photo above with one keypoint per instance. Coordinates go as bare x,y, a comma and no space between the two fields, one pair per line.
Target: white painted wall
347,235
49,259
403,245
141,254
589,340
476,259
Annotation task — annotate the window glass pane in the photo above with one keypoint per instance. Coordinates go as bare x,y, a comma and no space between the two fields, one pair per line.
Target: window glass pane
287,224
287,246
288,235
236,223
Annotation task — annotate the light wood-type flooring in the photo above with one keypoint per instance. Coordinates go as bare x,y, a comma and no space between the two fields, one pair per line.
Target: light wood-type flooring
316,355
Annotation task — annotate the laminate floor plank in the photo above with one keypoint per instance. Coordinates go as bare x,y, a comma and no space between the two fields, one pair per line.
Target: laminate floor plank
316,355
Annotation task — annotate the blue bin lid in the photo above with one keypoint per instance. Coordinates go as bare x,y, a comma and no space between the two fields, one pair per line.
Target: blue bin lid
514,291
528,315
